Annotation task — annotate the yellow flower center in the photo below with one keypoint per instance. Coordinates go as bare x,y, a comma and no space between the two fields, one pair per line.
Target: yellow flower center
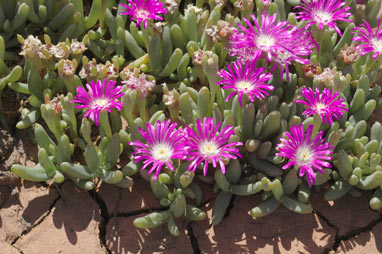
265,41
209,148
162,152
304,155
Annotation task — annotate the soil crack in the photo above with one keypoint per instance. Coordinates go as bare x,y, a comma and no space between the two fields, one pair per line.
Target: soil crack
230,206
193,239
348,235
105,218
140,211
29,229
355,232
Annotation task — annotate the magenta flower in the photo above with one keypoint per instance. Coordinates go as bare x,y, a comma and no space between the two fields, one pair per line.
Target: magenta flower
144,10
264,39
100,96
298,51
209,145
164,143
327,104
324,12
303,153
369,41
271,40
246,79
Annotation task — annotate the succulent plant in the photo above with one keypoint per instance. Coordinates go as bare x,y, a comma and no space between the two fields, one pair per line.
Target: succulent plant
257,112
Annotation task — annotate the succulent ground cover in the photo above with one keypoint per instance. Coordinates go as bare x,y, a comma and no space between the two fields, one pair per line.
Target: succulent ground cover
272,99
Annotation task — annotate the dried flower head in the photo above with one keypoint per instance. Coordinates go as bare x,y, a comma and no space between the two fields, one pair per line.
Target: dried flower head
369,41
349,54
311,70
225,29
305,153
245,80
239,4
164,144
77,47
198,56
111,71
141,84
324,12
59,51
86,71
328,77
31,47
208,144
171,5
326,104
100,96
68,69
144,10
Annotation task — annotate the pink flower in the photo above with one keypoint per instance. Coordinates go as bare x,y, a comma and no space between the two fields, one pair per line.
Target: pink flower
369,41
209,144
303,153
100,96
144,10
272,40
245,79
324,12
164,144
327,104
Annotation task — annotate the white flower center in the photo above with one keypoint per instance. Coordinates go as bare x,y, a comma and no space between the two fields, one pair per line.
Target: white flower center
209,148
244,85
162,152
143,14
320,107
304,155
265,41
322,17
100,102
377,44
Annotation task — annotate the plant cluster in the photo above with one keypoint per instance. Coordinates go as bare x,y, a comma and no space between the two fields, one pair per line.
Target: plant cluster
251,97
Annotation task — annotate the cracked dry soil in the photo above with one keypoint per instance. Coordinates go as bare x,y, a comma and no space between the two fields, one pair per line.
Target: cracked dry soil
37,218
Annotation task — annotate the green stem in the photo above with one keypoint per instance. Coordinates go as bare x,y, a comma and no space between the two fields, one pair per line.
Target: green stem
316,124
105,128
142,107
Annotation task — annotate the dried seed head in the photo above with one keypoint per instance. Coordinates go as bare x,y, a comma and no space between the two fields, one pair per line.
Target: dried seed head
169,99
67,69
77,47
31,47
86,71
171,5
349,54
311,70
198,56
